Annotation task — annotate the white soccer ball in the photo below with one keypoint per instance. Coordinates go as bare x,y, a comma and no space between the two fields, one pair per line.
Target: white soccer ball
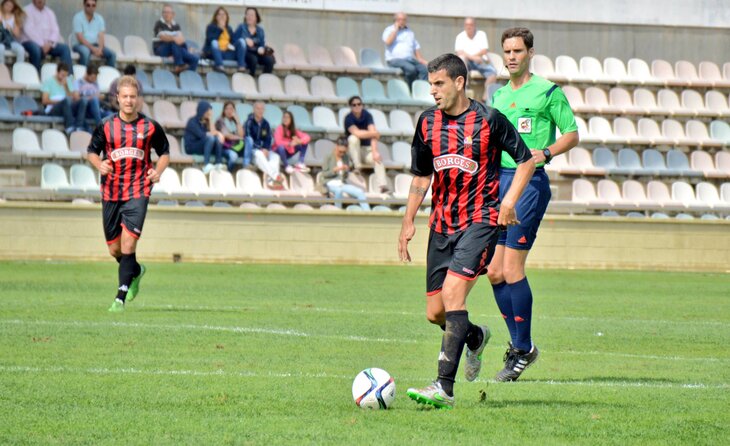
373,388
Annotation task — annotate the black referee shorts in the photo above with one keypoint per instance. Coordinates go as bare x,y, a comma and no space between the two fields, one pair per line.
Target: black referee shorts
465,254
128,215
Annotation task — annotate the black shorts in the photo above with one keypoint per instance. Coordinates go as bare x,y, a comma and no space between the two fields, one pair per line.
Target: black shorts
465,254
128,215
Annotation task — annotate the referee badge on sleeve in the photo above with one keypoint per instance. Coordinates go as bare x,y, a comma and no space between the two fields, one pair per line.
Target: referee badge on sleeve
524,125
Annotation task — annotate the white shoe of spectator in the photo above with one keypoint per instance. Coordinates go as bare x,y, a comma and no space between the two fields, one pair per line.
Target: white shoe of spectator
207,168
220,167
302,167
289,169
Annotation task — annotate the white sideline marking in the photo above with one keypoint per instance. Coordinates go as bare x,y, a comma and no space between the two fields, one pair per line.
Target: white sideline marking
420,314
252,374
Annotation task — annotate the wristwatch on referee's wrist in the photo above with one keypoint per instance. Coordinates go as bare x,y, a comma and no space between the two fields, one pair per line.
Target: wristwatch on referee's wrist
548,155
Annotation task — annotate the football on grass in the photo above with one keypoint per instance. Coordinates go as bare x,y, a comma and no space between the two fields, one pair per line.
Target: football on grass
373,388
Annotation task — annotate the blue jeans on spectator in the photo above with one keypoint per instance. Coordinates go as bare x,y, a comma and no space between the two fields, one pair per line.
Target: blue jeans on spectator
85,55
284,155
35,54
15,47
353,191
74,113
412,69
231,157
94,110
248,148
237,54
180,54
486,69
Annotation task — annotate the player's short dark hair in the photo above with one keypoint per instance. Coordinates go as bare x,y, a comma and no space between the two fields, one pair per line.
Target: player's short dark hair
525,33
341,141
450,62
62,66
352,98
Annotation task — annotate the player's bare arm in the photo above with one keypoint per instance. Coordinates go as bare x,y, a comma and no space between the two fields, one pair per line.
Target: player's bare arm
154,174
104,167
561,145
416,194
523,173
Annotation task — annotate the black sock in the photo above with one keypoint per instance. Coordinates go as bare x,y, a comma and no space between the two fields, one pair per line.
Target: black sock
137,268
474,337
118,259
126,274
457,324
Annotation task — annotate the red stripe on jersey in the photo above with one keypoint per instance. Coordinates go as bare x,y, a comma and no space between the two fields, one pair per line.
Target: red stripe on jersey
149,130
438,184
466,177
128,132
484,133
116,142
452,133
106,182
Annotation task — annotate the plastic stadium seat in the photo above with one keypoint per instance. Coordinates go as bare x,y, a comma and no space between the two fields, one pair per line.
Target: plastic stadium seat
697,131
55,143
111,42
543,66
194,181
294,55
709,217
638,69
708,194
592,69
323,148
273,114
678,161
725,193
191,82
147,87
687,73
668,102
26,74
296,88
345,58
581,162
166,114
370,58
716,103
633,192
164,81
53,177
321,59
628,163
386,157
221,182
398,91
218,84
654,163
325,118
374,93
608,193
244,110
625,130
491,88
302,207
6,113
722,162
658,192
604,158
303,184
583,192
48,70
169,183
84,178
346,88
136,47
719,131
616,69
194,204
702,161
245,84
6,80
575,99
596,99
422,92
567,67
249,206
107,75
497,62
381,123
249,183
684,193
400,121
710,72
402,154
664,72
302,120
25,141
645,100
648,129
694,104
674,131
601,130
683,216
188,109
27,108
322,88
79,141
402,184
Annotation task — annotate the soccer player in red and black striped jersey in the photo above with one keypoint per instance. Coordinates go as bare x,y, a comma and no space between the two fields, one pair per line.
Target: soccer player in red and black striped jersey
459,143
121,150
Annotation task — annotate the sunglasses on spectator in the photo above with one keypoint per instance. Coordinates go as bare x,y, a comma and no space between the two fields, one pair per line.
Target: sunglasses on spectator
91,5
356,104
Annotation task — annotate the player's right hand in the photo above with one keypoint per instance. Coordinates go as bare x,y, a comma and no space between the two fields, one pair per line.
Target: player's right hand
407,231
105,167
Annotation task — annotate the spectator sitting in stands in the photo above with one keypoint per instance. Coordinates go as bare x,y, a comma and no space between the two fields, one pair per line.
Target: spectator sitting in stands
41,35
362,134
60,98
335,172
403,51
232,131
88,88
252,37
201,138
89,28
219,42
472,46
258,147
288,141
129,70
170,41
12,20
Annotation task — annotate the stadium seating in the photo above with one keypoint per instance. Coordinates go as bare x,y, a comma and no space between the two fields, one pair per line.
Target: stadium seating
53,177
710,72
320,57
374,93
219,86
592,70
25,142
83,178
54,142
136,47
370,58
166,114
346,58
270,85
346,87
294,56
325,118
296,88
26,74
322,88
107,75
399,92
245,84
192,83
638,70
6,80
302,119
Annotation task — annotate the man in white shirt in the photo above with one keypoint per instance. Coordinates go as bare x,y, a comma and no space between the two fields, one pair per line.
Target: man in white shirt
472,46
403,51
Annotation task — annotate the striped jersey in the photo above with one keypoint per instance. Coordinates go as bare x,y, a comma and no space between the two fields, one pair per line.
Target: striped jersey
464,154
127,145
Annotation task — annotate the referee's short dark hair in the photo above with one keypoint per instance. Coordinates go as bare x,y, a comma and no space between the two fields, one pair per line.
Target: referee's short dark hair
450,62
525,33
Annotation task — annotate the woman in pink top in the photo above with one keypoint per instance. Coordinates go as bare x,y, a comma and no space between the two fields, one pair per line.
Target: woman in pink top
288,141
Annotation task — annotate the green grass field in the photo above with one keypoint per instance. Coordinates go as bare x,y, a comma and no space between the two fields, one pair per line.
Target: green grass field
266,354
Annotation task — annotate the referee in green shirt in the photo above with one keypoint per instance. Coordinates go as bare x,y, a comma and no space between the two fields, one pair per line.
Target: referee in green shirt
536,107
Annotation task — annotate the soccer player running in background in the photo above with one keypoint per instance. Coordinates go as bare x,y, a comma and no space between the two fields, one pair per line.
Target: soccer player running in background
535,106
120,149
459,142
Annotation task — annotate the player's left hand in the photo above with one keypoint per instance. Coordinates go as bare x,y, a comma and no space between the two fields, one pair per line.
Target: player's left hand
407,231
507,216
537,156
153,176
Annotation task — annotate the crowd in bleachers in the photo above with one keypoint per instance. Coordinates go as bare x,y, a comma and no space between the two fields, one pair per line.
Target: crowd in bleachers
654,136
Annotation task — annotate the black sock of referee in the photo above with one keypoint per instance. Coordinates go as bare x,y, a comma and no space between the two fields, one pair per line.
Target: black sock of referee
457,324
126,274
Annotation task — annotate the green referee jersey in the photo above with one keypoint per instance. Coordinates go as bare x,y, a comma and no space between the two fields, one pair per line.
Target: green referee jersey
536,109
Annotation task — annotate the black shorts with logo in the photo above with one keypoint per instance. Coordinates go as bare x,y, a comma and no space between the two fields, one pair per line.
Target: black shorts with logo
128,215
465,254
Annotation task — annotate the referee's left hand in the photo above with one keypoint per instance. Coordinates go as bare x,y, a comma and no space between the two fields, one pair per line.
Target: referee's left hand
153,176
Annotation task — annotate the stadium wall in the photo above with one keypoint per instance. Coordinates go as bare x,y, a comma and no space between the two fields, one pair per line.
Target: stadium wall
436,33
61,231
